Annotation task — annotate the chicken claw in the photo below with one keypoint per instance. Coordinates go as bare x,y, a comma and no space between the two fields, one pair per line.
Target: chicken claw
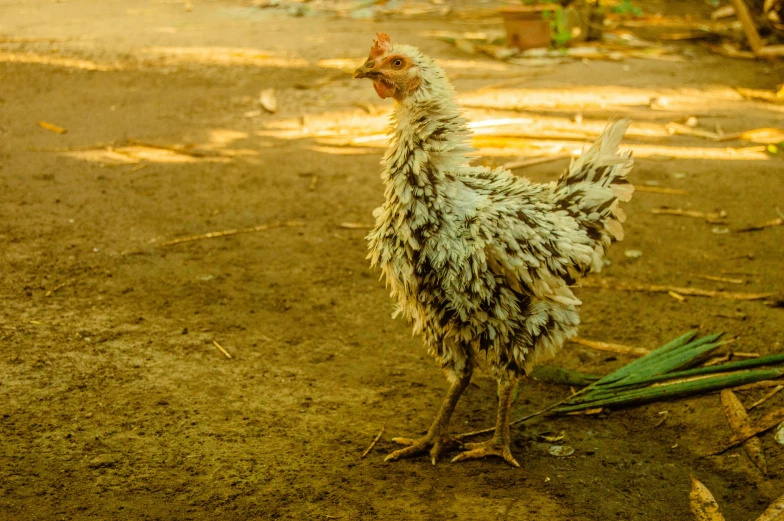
492,447
418,446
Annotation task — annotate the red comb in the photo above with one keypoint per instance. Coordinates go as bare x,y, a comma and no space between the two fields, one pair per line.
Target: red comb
381,45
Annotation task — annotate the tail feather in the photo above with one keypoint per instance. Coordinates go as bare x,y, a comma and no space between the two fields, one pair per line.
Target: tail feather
594,185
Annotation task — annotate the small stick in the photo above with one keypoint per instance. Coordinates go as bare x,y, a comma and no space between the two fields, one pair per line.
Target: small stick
62,284
769,224
313,182
138,167
740,354
221,349
52,127
721,279
717,360
753,37
373,443
766,397
211,235
711,217
514,165
355,226
658,190
586,412
677,128
738,272
677,296
613,348
764,384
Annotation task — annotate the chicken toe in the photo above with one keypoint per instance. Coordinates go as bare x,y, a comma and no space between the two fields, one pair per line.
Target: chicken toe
492,447
437,444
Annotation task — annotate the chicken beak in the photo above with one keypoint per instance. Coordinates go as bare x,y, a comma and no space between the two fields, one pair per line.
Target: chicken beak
364,71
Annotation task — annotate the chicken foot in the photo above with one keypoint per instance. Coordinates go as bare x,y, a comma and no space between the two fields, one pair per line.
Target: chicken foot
498,445
438,434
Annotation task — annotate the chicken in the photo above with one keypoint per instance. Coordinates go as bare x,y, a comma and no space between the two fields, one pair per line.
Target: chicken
479,260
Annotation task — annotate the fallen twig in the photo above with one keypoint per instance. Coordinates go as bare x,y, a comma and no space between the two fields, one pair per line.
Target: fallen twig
613,348
225,233
677,296
677,128
660,190
711,217
355,226
767,397
654,288
52,127
138,167
763,384
753,37
769,224
373,443
721,279
61,285
221,349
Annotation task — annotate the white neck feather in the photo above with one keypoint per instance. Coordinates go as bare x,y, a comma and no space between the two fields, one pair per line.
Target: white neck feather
428,145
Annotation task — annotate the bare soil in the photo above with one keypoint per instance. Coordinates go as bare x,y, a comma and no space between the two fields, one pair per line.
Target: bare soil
114,401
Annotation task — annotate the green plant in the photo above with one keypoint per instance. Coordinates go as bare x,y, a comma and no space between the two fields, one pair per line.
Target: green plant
626,8
559,27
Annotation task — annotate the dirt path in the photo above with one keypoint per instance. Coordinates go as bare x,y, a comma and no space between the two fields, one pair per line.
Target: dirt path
116,404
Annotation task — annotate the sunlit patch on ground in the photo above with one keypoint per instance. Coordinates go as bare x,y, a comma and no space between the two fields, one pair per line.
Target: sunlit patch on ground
223,56
41,59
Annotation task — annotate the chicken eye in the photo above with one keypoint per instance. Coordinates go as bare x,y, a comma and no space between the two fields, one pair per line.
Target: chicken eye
397,63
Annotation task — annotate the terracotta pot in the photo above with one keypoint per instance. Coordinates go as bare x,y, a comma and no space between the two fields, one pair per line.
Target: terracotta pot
525,27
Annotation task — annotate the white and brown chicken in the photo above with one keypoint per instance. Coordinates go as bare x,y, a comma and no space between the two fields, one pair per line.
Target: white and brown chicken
479,260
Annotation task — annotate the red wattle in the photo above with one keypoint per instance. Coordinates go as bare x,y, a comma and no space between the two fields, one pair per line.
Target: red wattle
383,90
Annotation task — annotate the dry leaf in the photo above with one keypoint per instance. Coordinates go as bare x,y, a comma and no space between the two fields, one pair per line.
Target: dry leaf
775,512
268,100
766,136
703,505
52,127
740,423
768,421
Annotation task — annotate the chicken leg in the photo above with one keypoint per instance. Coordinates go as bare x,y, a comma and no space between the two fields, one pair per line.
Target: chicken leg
498,445
438,434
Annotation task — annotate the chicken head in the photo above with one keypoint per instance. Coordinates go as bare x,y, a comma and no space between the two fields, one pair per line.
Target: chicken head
394,74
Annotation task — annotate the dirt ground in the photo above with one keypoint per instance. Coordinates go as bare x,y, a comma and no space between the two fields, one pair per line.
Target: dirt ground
116,404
